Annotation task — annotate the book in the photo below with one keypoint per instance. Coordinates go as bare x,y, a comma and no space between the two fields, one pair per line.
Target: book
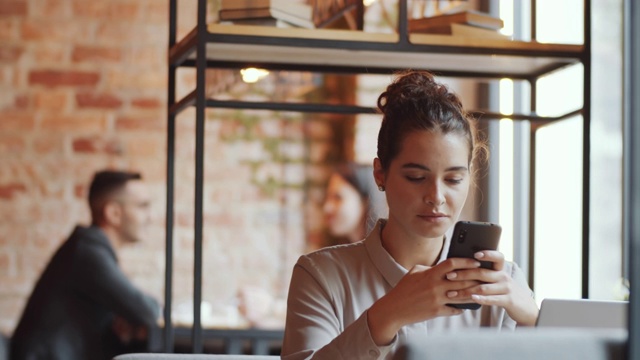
292,19
311,13
468,17
237,14
272,22
465,30
243,4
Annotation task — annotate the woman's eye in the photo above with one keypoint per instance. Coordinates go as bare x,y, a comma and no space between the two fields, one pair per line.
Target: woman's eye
415,178
455,180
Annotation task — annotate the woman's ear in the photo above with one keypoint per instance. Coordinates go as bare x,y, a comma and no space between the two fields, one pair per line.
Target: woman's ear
378,173
112,213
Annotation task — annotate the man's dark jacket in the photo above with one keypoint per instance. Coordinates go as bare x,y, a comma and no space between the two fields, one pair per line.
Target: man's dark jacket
72,306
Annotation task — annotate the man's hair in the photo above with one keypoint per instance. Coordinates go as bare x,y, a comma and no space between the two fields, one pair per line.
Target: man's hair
104,186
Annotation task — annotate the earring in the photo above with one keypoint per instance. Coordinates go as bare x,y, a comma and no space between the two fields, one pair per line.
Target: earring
381,187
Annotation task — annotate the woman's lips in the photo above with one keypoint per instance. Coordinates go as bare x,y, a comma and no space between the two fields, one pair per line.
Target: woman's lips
433,217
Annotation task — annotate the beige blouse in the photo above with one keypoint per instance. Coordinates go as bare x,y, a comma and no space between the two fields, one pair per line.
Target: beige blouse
332,288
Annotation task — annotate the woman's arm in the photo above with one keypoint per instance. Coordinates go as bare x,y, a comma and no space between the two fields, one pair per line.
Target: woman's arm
313,328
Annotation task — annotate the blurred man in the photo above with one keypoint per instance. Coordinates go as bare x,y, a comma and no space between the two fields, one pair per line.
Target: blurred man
83,306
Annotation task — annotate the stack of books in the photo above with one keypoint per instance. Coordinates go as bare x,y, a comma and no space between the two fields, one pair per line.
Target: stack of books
296,13
467,23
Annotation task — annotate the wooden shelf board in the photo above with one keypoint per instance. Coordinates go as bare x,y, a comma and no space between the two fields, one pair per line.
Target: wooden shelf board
456,54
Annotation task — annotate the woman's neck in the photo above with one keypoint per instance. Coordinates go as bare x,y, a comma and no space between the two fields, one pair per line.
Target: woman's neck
408,250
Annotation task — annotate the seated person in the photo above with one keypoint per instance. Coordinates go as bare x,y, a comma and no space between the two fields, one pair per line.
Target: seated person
353,203
83,306
361,300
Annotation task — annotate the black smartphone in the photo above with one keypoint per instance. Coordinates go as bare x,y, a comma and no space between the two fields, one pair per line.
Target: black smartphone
468,238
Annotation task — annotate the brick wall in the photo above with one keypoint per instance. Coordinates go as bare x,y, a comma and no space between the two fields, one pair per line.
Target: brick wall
83,87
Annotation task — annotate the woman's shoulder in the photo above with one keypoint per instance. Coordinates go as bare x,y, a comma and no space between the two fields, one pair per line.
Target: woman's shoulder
336,256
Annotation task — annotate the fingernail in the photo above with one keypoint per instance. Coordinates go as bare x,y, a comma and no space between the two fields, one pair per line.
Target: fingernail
479,255
452,275
477,264
451,294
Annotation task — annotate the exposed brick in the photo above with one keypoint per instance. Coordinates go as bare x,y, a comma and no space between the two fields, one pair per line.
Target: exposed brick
8,29
95,54
150,79
150,55
10,53
153,169
123,11
21,101
146,147
95,100
55,101
8,191
51,9
80,191
156,11
97,145
10,145
87,9
50,30
13,8
49,145
117,10
147,103
142,123
50,54
22,121
77,123
134,32
49,189
53,78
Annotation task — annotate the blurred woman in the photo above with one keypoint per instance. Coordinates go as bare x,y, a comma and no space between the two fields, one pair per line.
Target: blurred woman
353,203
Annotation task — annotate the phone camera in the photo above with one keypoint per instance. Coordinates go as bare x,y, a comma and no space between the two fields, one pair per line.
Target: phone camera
462,236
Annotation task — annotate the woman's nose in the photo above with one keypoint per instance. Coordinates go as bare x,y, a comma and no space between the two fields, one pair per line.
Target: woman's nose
434,195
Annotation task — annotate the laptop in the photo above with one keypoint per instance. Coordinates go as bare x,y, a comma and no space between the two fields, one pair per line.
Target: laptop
583,313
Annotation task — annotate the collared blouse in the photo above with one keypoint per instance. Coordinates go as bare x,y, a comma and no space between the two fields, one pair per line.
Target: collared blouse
332,288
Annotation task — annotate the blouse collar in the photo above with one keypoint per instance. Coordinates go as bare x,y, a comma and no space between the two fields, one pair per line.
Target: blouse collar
383,261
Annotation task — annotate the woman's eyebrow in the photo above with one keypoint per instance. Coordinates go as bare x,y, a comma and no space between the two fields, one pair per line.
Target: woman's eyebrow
426,168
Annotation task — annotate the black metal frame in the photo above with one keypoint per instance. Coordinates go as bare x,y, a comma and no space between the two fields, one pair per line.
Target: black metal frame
182,55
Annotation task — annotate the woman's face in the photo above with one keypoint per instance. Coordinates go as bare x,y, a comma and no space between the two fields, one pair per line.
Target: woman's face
427,183
343,208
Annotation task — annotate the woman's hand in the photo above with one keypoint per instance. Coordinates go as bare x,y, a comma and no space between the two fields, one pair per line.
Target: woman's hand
495,287
419,296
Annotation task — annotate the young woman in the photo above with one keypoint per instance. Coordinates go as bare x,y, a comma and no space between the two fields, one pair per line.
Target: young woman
361,300
353,203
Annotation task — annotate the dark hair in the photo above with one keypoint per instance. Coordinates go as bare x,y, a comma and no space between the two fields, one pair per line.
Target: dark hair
415,101
360,176
104,185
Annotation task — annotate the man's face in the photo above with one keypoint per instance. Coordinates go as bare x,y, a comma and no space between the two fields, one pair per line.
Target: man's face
136,216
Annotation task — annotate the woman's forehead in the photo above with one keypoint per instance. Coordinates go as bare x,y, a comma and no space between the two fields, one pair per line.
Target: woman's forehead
435,147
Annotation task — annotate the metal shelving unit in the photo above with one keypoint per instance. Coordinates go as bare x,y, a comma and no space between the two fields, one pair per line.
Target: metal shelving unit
348,52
